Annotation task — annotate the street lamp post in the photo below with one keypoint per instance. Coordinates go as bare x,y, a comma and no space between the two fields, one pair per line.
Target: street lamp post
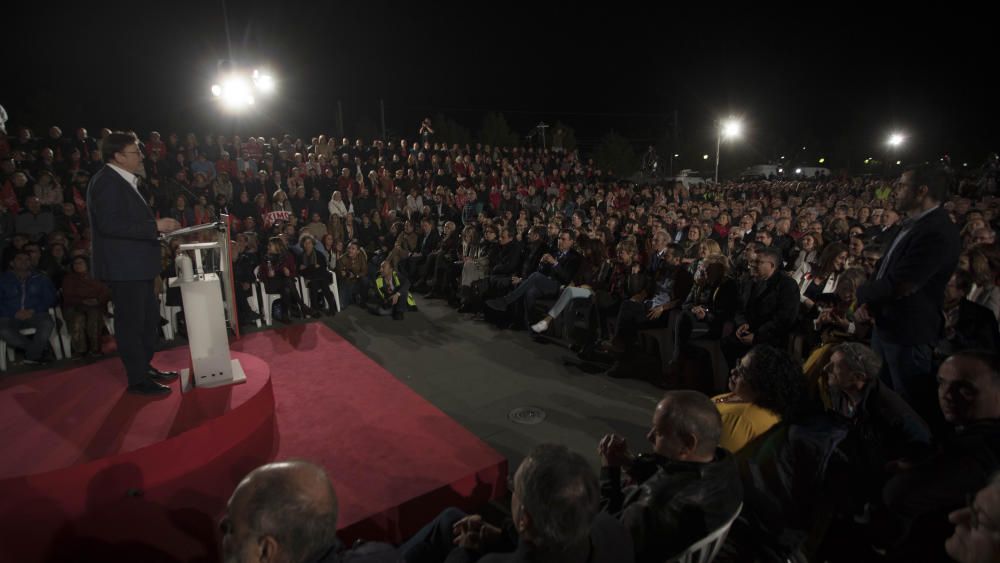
893,143
729,129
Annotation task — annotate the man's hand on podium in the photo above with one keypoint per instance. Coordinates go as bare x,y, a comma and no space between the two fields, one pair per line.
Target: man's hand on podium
167,225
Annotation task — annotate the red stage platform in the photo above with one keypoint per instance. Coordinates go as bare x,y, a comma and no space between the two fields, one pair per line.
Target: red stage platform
90,473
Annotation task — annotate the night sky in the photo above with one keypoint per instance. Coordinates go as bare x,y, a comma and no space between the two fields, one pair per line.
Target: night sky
836,84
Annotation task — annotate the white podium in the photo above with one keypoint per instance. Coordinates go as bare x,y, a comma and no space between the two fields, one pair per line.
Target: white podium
208,338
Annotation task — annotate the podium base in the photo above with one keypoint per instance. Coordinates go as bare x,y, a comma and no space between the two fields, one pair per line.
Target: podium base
187,382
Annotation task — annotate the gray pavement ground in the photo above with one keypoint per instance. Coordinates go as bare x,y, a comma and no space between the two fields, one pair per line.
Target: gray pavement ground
477,374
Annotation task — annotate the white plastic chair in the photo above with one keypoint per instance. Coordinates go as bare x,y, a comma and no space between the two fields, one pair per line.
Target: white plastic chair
7,352
307,298
707,548
266,299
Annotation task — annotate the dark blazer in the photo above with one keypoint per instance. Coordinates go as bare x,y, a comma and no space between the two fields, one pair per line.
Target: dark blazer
125,241
532,254
564,270
508,260
976,328
429,243
770,308
906,302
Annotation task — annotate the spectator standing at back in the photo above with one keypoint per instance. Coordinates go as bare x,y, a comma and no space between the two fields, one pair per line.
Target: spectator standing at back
906,294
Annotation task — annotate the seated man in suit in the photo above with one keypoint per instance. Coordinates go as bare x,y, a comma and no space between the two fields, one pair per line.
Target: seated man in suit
768,308
287,512
415,265
554,517
967,325
554,272
508,265
685,489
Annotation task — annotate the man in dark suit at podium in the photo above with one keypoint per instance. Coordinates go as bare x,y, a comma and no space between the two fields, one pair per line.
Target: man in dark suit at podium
126,256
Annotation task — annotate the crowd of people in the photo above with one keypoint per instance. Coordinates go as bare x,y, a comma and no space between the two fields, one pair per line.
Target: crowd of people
857,318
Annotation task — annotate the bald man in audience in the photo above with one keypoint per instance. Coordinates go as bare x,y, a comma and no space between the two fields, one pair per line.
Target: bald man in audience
286,512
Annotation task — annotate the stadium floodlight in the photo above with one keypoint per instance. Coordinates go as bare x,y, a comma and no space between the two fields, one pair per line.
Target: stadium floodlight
239,89
730,128
896,139
263,81
235,93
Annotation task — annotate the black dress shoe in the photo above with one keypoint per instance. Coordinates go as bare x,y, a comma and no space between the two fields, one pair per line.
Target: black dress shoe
157,375
149,388
497,304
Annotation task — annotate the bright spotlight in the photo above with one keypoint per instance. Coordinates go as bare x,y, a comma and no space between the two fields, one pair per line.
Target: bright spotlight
731,128
822,160
896,139
216,90
798,170
265,83
236,93
704,157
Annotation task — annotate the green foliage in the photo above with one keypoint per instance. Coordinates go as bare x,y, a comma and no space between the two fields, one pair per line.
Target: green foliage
497,132
568,136
614,153
447,130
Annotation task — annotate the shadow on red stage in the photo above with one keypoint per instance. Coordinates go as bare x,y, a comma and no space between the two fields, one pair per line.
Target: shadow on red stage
92,473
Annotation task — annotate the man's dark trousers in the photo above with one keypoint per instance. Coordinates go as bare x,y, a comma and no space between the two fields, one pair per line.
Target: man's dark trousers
137,325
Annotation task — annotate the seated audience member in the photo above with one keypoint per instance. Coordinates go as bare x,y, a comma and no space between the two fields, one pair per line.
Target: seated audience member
509,261
286,512
976,538
581,287
711,304
440,261
25,299
554,517
967,325
278,272
794,478
352,275
554,271
885,433
35,221
312,267
85,303
671,286
984,291
628,281
415,265
768,308
921,497
477,259
393,293
406,243
766,386
685,489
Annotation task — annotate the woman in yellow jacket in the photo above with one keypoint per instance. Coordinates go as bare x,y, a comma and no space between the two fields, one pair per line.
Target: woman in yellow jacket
764,387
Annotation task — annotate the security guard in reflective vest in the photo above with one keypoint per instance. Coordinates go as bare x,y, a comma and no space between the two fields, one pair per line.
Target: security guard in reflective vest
393,290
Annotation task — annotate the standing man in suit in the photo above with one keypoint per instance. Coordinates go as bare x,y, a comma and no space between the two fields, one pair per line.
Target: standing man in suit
126,256
906,295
